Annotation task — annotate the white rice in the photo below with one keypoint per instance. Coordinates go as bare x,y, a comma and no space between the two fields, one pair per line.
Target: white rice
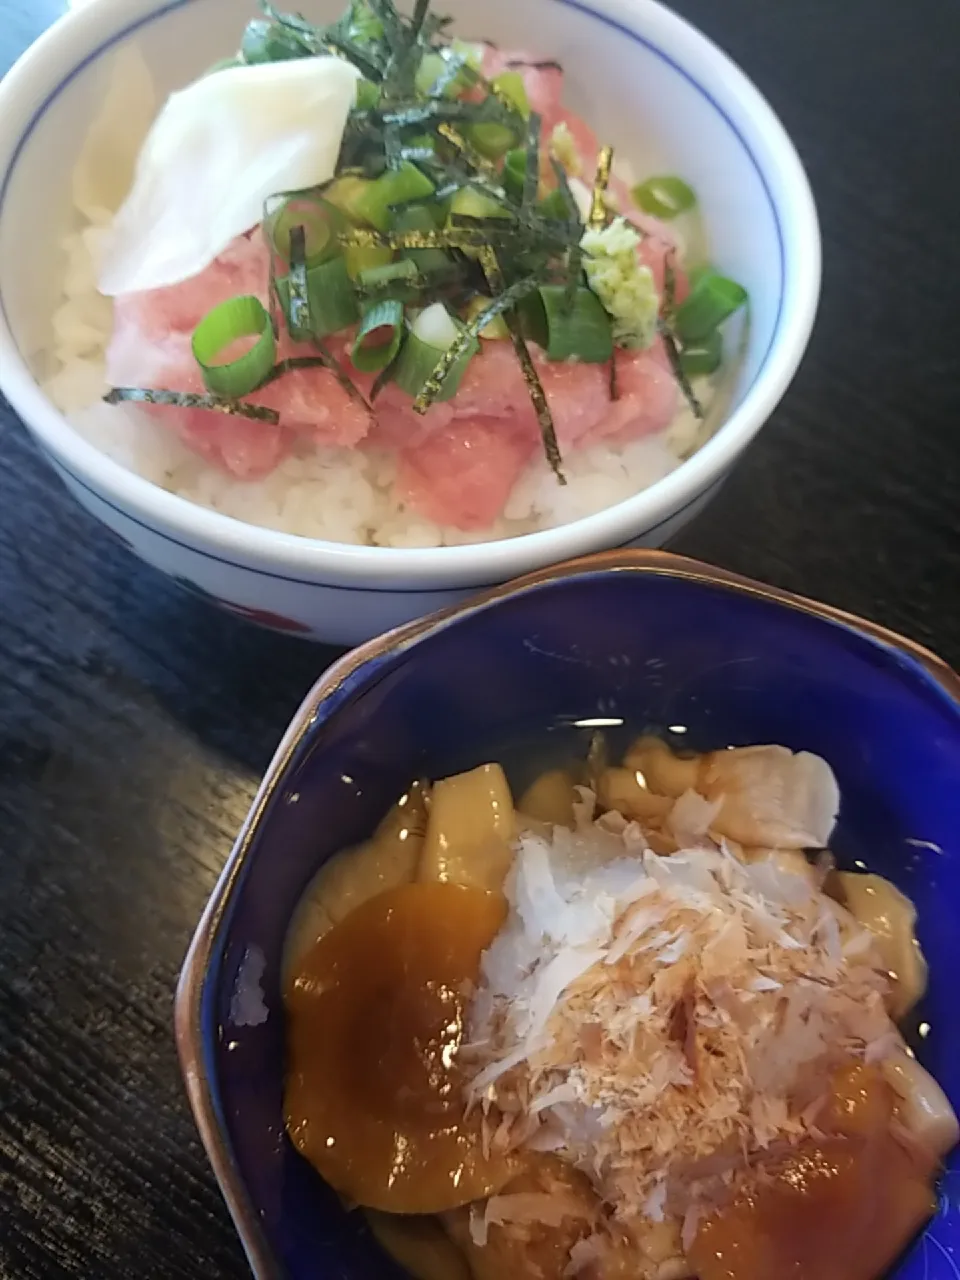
341,495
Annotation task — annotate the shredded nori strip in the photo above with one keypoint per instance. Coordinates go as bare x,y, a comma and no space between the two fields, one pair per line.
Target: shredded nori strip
504,301
613,385
468,151
413,113
454,63
547,64
449,238
383,377
569,199
290,365
676,364
531,176
185,400
300,319
491,268
343,378
668,334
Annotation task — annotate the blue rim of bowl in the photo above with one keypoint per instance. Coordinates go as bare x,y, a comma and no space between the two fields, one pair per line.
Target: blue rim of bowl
577,5
337,682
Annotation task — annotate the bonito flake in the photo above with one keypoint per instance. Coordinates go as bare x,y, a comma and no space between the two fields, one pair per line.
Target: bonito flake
666,1023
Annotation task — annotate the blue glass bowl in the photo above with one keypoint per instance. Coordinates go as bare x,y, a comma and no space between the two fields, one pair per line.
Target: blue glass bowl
642,636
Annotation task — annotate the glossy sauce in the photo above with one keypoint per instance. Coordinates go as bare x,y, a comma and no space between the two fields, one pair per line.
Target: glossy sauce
376,1015
837,1209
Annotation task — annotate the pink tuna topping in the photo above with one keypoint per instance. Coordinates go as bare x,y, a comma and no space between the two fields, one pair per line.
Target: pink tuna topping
458,463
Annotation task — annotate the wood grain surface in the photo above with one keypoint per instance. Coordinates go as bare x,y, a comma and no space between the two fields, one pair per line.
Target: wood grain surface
134,720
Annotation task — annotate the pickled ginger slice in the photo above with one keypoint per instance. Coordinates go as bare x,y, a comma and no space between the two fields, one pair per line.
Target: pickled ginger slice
216,152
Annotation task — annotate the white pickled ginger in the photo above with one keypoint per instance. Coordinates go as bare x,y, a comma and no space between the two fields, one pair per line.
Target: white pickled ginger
216,152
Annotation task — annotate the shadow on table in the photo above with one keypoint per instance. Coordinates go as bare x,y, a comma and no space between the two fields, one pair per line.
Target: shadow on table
232,683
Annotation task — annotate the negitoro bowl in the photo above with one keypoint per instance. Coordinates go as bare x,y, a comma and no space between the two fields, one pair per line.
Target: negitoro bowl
649,83
640,637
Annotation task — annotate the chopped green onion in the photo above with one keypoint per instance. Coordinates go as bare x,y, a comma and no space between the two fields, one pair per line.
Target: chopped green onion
320,221
510,87
368,95
473,158
471,203
429,262
271,42
664,197
700,359
554,206
343,192
515,171
396,281
433,334
225,324
332,300
363,25
497,328
392,272
186,400
714,299
374,203
494,139
383,322
441,77
360,258
580,331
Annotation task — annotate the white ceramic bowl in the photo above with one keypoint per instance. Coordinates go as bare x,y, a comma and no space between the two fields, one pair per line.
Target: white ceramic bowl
651,84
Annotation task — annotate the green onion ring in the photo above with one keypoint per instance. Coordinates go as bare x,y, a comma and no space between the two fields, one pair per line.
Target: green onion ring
235,318
379,315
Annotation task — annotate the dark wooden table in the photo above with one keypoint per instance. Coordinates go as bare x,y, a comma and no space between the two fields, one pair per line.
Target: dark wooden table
134,720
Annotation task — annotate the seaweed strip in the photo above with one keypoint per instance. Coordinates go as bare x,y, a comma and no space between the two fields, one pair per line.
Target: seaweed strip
185,400
531,176
673,355
470,333
290,365
349,387
665,327
548,64
491,269
300,319
451,238
454,63
467,151
563,183
347,50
